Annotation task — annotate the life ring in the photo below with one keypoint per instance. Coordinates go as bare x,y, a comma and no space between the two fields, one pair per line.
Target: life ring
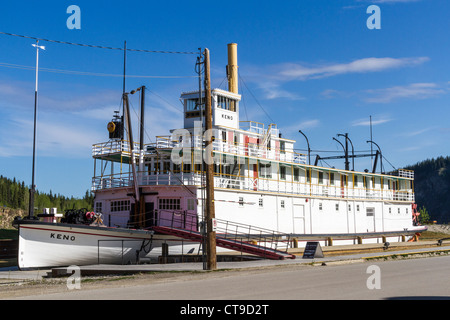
90,215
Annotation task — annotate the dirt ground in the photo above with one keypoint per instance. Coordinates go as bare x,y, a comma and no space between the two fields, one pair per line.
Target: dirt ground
21,289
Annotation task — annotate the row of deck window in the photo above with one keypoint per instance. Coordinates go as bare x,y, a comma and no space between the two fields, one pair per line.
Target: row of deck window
320,206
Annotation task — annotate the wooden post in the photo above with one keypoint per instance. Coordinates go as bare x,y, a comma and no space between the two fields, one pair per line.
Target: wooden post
210,212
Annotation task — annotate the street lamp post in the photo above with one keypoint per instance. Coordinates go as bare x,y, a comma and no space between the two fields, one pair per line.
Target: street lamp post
353,149
309,150
381,155
32,190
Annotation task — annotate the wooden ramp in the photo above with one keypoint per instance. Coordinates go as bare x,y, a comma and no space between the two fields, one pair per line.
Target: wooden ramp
231,241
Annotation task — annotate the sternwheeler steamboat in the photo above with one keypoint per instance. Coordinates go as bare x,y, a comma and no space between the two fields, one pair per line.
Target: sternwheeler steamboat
154,194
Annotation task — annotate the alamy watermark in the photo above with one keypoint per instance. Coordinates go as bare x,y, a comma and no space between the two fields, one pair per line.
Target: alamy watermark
374,280
194,149
74,280
374,21
74,20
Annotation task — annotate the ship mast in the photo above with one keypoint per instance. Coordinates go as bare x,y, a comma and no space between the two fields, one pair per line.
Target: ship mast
137,205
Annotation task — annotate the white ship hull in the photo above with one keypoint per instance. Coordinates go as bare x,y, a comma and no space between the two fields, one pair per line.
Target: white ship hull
43,245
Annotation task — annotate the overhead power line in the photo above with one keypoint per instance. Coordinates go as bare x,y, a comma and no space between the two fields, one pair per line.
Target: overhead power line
97,46
84,73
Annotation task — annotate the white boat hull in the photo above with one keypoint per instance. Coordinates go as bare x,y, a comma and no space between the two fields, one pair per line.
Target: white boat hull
51,245
44,245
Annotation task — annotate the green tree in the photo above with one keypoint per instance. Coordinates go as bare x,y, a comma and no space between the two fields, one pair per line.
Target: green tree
424,215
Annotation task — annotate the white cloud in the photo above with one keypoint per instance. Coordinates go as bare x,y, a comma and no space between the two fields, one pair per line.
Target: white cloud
413,91
273,90
299,72
393,1
291,131
367,122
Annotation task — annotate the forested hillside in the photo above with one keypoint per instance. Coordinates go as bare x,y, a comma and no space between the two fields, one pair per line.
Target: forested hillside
432,187
15,194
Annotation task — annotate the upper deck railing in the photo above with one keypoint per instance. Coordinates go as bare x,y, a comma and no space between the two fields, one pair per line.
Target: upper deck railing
228,181
228,147
406,173
236,149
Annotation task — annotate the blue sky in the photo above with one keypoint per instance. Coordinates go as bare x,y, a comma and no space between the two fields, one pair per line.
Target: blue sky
312,65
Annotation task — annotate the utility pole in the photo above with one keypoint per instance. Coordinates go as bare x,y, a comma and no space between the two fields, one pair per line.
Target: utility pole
210,212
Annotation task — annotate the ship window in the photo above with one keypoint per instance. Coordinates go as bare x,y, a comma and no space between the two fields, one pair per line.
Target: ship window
186,167
296,174
265,170
191,104
120,205
282,204
98,206
261,202
241,201
349,207
357,207
282,173
191,204
320,206
332,178
225,103
337,206
282,147
169,204
390,210
320,177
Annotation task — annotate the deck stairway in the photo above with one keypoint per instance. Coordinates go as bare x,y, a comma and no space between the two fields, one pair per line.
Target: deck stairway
239,237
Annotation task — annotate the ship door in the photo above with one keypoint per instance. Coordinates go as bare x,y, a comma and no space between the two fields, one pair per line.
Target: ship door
370,219
149,214
298,216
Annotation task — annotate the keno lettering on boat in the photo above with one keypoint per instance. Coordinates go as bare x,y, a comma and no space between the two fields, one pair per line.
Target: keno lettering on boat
60,236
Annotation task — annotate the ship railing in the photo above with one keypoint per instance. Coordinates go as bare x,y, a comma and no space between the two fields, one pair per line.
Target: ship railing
309,189
121,147
245,233
246,149
228,181
252,126
110,147
164,142
236,232
182,219
120,180
406,173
